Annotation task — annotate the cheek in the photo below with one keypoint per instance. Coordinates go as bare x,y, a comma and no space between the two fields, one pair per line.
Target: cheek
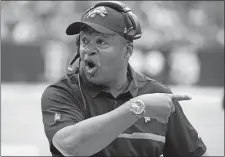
111,57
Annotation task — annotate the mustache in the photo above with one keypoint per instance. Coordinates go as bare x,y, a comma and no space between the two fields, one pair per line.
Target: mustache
91,59
90,51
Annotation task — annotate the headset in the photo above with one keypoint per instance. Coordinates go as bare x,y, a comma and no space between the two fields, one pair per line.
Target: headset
131,21
133,32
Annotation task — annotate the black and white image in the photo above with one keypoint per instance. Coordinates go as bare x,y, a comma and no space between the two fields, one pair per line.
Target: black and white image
112,78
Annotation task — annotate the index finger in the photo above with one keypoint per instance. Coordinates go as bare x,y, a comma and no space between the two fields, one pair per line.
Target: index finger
177,97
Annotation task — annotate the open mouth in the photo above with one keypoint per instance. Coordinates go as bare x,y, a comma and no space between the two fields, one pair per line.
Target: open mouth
91,67
90,64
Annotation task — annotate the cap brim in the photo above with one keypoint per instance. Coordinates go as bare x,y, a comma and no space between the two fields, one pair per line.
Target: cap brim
74,28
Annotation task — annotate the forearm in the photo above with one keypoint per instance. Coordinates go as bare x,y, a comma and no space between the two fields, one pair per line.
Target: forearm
92,135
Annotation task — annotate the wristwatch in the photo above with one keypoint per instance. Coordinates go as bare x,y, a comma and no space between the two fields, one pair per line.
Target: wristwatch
138,108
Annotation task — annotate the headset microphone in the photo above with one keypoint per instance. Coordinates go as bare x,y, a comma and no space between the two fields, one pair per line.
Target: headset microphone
74,69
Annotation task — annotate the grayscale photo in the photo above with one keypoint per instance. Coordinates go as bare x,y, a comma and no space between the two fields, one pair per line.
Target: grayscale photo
112,78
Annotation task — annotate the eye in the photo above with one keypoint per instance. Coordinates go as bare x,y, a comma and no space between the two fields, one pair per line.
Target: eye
101,42
84,41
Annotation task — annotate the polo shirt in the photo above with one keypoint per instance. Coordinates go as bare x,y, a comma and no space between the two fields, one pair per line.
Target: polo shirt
62,105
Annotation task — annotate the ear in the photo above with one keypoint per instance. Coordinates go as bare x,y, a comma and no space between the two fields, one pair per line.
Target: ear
129,50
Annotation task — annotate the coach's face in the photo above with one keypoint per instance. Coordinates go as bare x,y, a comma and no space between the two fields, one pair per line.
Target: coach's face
103,57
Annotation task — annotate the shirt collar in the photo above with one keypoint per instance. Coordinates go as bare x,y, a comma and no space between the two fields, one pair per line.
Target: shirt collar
94,90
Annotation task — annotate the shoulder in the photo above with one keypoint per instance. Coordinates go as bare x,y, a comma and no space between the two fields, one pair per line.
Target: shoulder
149,85
62,85
65,88
65,83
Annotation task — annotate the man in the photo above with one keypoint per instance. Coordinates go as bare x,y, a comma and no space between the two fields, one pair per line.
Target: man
103,107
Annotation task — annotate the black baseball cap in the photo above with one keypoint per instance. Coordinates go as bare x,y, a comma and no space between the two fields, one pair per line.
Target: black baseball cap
102,19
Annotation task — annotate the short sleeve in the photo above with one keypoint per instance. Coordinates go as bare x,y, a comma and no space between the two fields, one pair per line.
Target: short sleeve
182,139
59,109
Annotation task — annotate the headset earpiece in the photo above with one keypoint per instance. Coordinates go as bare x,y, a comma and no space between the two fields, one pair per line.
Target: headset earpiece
130,33
136,34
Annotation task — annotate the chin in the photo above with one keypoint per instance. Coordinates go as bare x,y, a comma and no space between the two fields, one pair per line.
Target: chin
94,79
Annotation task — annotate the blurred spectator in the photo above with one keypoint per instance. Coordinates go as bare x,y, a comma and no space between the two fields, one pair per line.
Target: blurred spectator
4,31
155,62
220,36
25,32
56,55
199,22
135,59
185,66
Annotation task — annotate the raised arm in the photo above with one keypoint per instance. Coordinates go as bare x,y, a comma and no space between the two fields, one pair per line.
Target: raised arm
85,137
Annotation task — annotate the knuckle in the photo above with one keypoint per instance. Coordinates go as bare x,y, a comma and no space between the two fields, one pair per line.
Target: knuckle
170,104
168,109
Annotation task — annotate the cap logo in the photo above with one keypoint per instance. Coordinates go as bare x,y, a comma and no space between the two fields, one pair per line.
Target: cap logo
99,10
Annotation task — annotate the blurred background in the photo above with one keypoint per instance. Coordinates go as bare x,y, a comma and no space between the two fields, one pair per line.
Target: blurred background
182,46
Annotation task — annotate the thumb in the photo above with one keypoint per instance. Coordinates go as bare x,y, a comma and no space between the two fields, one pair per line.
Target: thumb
177,97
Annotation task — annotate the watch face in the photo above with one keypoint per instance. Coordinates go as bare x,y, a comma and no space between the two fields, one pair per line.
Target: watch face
138,106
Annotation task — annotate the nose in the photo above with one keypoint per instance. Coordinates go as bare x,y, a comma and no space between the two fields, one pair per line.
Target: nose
91,51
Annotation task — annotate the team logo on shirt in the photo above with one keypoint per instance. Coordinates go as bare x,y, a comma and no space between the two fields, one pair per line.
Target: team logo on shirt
97,11
57,117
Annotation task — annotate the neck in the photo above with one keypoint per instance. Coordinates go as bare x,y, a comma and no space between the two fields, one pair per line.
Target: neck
119,85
